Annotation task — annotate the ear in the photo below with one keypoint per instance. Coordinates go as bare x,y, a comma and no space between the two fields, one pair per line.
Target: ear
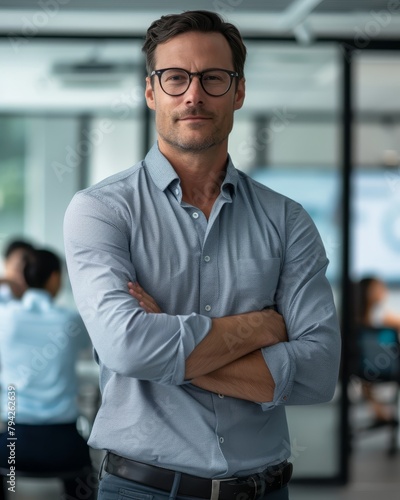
149,94
239,94
53,284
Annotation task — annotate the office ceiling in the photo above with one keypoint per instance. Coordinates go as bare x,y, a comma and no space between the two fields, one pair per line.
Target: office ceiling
337,6
304,19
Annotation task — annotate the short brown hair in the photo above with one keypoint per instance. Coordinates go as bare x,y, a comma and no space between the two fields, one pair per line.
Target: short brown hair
204,21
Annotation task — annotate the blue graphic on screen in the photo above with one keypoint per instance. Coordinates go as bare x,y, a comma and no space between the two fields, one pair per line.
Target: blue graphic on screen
375,215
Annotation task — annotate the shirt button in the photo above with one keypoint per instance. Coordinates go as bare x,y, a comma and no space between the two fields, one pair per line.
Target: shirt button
221,440
176,191
207,308
220,396
195,215
207,258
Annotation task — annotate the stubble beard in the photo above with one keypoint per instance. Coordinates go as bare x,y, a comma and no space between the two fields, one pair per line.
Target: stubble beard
191,145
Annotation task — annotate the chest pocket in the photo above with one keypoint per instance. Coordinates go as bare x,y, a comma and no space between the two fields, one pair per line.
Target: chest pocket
256,283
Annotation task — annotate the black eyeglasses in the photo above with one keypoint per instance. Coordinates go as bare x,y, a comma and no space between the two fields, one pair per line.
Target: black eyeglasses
176,81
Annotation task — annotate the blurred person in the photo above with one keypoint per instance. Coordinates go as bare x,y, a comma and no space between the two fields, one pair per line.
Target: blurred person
194,397
373,311
40,343
12,283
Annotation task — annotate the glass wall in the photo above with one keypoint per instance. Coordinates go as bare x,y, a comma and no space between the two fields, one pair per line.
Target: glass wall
376,181
376,219
70,115
12,176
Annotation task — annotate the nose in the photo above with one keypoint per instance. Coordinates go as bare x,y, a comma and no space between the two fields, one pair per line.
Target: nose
195,92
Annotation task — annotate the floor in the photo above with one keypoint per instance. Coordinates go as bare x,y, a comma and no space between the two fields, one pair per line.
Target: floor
374,475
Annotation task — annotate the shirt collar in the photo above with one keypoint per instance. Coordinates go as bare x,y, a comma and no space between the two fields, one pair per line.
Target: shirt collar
160,169
163,173
5,292
35,298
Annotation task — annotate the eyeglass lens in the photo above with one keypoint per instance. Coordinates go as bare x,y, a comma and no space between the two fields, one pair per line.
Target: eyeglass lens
176,81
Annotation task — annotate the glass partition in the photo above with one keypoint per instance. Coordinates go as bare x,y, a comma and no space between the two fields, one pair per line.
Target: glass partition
12,176
70,115
376,232
376,180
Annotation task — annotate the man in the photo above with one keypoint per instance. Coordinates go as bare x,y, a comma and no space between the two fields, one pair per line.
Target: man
12,284
193,396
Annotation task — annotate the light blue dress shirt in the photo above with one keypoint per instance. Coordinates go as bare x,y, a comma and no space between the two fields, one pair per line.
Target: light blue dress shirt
5,293
257,249
39,344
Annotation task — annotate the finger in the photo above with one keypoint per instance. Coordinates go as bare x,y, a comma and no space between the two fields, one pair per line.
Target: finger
135,294
145,300
150,302
145,307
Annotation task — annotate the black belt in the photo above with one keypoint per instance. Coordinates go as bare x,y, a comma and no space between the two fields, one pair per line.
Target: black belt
254,486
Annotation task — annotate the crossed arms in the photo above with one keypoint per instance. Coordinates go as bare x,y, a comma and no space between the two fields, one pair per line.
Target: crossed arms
229,360
245,355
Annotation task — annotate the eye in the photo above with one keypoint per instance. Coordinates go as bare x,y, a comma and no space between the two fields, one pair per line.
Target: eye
174,77
214,76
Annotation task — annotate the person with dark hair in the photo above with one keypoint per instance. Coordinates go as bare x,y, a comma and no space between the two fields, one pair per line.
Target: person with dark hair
39,347
372,311
372,304
232,317
12,284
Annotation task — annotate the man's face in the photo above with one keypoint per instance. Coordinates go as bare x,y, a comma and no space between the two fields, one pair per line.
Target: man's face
194,121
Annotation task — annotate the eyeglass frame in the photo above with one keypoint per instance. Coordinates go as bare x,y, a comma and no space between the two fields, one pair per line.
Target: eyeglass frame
159,73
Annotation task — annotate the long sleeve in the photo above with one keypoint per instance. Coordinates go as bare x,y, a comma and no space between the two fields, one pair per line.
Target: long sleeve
127,340
305,369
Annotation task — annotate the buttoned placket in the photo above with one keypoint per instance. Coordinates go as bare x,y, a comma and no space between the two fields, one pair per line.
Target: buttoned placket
209,288
209,285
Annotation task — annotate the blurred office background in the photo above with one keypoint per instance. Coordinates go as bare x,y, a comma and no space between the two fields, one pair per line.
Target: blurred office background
321,124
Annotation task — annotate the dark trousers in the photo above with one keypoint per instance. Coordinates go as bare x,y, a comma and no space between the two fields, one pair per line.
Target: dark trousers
57,448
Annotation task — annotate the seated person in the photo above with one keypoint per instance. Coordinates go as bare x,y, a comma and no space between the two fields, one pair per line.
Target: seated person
372,311
39,347
12,283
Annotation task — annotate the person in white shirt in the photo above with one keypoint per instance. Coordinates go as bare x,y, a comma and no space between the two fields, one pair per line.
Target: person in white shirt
40,342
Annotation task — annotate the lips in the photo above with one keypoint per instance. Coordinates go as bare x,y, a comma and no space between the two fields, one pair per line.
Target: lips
194,114
195,117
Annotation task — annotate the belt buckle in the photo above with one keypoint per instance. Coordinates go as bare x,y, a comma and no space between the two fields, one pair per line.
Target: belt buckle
216,486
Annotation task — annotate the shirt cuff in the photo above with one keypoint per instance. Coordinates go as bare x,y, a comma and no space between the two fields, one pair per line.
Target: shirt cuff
194,327
282,369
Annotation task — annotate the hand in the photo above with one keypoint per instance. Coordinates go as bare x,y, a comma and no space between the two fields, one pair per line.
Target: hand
145,300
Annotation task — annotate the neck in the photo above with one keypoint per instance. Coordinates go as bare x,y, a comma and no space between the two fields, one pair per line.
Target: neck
201,175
